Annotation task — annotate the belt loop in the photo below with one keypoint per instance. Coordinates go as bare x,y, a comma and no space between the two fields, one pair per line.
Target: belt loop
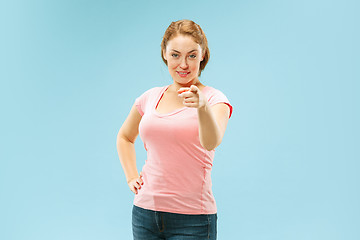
162,223
158,218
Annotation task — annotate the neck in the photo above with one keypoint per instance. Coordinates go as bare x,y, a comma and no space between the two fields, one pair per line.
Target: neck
176,86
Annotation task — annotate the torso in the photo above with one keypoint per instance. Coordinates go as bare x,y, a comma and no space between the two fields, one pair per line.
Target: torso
177,171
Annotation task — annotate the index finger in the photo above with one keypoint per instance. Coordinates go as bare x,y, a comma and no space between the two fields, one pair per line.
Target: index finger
181,90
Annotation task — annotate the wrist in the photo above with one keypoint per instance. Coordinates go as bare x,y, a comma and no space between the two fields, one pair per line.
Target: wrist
131,179
204,107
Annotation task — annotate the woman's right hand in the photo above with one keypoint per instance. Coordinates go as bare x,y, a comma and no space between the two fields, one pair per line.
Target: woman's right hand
135,184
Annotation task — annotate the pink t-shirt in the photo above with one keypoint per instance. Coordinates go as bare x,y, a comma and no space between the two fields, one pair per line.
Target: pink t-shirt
177,172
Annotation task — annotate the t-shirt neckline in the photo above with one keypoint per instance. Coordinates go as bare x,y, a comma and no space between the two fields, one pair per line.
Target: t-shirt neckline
158,98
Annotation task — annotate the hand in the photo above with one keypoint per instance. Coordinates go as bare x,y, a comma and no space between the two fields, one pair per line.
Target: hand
135,184
192,97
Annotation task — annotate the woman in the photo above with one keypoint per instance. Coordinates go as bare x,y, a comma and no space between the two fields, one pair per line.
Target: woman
180,124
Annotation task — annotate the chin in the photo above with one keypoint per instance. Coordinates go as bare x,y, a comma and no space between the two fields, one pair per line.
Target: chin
184,81
187,82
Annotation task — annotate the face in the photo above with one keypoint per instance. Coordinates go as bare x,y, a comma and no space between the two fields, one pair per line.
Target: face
183,56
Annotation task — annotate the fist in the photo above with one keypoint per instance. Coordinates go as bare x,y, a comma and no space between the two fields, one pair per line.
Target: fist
192,97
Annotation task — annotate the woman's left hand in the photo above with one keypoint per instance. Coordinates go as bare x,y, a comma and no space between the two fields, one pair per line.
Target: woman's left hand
192,97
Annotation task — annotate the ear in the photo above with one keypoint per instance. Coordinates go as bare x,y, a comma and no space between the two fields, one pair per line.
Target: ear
203,56
164,55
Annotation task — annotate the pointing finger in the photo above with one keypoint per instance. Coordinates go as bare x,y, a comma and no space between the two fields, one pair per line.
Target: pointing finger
181,90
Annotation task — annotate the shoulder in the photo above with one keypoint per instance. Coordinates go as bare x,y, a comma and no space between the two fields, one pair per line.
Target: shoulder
211,92
146,99
154,90
151,92
215,96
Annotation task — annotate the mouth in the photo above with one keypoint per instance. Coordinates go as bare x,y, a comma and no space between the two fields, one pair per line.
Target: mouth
182,74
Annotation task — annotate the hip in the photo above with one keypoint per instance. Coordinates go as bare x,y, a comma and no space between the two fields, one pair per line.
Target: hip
149,223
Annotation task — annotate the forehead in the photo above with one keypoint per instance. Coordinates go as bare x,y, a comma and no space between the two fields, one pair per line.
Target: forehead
182,43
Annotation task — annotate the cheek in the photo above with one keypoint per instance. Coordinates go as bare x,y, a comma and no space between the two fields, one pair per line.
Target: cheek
172,64
195,65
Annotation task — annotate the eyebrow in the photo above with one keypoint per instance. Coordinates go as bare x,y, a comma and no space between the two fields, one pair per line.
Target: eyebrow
194,50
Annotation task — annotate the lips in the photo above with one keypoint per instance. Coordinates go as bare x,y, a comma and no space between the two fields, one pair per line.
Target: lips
182,74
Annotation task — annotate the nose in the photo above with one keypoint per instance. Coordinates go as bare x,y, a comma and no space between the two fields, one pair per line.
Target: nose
183,63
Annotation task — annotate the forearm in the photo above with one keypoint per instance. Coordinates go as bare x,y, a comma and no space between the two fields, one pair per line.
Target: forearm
209,131
127,155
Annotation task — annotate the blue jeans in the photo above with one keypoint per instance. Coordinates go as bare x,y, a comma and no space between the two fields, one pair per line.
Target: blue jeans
151,225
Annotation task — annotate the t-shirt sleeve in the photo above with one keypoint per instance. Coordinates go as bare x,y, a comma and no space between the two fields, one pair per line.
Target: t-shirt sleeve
216,97
141,101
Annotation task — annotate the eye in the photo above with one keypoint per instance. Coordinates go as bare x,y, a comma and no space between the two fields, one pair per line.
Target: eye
175,55
192,56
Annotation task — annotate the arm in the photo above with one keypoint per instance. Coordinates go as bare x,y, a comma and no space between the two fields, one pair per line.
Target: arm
126,149
212,124
212,120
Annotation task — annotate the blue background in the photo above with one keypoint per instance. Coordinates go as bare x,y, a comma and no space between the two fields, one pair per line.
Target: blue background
288,167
